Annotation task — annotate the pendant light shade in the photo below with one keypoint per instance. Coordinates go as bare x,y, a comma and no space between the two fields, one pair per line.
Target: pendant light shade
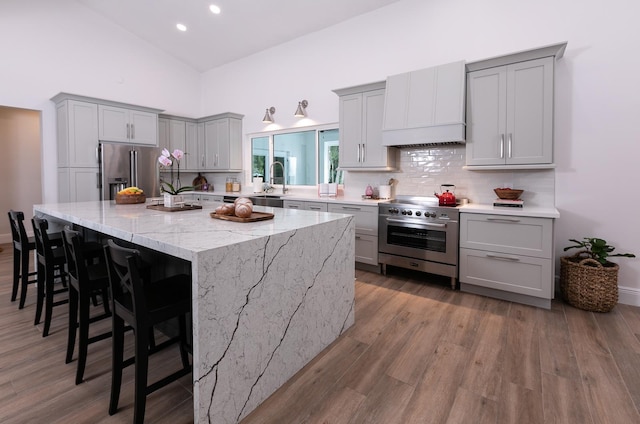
268,115
301,111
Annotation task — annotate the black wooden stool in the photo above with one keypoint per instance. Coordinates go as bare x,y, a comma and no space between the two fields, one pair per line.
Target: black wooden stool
87,272
143,304
22,247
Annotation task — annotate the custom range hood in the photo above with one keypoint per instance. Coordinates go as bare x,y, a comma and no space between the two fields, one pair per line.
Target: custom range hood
425,107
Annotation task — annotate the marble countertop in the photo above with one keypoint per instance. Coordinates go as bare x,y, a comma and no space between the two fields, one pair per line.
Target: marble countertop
182,234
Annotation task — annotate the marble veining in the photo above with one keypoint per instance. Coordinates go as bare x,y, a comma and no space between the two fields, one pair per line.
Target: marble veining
267,296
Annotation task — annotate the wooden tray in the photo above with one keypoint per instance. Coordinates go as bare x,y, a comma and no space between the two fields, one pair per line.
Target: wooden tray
174,208
255,216
130,199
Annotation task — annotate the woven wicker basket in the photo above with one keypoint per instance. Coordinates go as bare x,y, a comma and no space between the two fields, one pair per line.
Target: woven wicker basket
588,285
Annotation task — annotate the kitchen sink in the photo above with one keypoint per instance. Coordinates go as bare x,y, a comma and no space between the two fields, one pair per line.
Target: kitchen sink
272,200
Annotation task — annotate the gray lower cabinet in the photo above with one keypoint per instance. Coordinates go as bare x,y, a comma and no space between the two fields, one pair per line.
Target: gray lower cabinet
366,230
508,257
304,205
78,184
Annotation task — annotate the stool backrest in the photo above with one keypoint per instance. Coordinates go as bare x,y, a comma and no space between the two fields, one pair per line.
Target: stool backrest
73,242
44,247
18,232
124,265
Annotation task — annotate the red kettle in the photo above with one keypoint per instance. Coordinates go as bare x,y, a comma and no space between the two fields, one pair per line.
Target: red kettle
447,198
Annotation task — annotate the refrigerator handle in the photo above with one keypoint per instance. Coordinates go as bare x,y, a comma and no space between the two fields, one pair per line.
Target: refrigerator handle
133,168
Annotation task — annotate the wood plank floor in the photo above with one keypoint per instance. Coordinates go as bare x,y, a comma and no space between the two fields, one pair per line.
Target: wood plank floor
418,353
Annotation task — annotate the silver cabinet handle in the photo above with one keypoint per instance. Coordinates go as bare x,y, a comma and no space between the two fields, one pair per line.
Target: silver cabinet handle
293,207
357,237
347,208
216,162
358,152
424,224
503,258
509,145
501,146
128,132
364,153
133,132
503,219
203,161
314,208
97,154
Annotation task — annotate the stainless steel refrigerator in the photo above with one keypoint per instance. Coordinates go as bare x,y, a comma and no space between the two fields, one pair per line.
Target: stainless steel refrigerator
126,165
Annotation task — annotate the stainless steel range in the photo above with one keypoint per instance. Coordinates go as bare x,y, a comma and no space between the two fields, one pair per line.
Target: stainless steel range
416,233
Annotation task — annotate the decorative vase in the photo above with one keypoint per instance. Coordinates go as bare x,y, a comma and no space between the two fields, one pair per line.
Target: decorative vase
172,200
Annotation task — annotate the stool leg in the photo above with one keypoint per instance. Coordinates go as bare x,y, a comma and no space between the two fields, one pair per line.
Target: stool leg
48,298
73,323
16,273
25,278
83,340
117,352
40,292
141,369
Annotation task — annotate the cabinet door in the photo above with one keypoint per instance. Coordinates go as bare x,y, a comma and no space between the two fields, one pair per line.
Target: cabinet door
77,133
366,217
164,136
215,149
293,204
350,131
373,153
113,124
486,116
192,153
177,135
83,184
510,273
366,249
315,206
529,129
143,127
396,95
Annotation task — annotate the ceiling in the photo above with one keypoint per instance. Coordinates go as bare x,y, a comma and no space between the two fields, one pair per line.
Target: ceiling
243,28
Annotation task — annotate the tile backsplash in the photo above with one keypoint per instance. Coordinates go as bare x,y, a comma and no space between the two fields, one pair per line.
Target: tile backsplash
423,169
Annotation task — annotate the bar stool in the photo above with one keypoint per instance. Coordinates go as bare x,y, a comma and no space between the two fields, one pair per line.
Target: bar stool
143,304
87,272
51,267
22,246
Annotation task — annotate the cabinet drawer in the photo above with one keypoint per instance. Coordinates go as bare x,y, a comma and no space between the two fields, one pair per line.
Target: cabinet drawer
515,235
510,273
366,249
315,206
293,204
366,217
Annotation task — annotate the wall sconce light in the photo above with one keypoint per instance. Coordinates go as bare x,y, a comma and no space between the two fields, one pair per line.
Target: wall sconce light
268,116
301,111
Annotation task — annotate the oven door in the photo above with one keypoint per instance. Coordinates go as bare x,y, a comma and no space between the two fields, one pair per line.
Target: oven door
430,241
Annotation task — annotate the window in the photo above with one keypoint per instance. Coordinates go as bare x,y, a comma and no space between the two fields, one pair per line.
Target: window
308,156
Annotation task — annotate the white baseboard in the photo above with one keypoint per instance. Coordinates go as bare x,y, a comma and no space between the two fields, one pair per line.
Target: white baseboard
629,296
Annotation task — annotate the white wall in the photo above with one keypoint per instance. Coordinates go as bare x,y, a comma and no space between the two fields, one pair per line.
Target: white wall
53,46
596,141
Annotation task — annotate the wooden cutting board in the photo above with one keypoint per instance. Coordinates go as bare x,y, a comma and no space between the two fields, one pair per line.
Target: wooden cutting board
255,216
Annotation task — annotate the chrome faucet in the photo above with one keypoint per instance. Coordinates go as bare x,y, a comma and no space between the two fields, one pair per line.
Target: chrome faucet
284,176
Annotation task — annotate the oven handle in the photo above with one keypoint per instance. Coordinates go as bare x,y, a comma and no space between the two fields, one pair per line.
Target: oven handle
426,224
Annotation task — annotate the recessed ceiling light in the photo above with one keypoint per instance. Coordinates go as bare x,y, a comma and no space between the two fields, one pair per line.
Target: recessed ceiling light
181,27
214,9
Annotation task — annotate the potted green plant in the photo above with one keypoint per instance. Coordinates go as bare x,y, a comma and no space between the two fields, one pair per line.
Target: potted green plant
588,280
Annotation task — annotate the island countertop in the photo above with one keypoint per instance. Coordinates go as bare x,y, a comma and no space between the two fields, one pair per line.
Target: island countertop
267,297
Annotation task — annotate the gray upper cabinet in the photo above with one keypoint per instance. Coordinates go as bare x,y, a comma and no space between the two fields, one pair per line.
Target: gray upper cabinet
192,158
77,134
425,106
361,110
510,110
223,143
123,125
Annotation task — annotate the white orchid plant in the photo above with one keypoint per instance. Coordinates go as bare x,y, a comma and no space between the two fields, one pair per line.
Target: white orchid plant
167,159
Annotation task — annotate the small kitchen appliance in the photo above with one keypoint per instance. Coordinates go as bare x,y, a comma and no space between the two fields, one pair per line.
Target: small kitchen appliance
446,198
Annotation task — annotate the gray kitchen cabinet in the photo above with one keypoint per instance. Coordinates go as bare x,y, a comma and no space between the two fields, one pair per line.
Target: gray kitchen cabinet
508,257
192,158
77,134
172,135
163,134
425,106
78,184
366,246
303,205
360,129
122,125
223,143
510,114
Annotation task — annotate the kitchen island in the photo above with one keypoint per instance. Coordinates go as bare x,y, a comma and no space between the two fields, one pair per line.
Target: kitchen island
268,296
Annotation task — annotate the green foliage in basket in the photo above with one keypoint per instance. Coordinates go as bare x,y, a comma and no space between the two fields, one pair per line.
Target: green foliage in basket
597,249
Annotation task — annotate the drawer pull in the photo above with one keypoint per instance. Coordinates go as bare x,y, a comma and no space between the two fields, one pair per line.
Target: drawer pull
314,208
503,219
347,208
503,258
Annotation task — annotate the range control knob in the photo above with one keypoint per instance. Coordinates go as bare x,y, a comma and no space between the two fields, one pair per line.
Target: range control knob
409,213
418,213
